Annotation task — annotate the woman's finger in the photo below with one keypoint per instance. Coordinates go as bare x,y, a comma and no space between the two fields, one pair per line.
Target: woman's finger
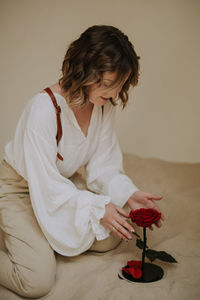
122,212
158,209
116,232
154,206
154,197
151,227
122,230
158,224
124,224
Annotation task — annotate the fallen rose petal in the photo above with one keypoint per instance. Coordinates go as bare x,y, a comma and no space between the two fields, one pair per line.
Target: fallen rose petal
135,273
135,264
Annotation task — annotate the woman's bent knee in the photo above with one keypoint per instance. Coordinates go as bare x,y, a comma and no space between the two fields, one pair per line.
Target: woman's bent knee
35,284
37,279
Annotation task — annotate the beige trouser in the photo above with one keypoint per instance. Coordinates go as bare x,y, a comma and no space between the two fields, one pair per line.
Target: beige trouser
28,264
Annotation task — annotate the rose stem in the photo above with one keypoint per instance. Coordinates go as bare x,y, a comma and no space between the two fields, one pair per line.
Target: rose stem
144,249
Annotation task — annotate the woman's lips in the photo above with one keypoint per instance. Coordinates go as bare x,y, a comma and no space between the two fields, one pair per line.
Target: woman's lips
105,99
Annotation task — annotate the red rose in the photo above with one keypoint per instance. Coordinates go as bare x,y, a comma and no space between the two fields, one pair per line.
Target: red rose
144,217
133,268
135,264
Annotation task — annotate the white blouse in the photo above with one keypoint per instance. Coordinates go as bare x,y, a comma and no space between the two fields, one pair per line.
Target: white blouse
69,217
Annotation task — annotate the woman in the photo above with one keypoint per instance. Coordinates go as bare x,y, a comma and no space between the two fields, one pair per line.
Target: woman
42,211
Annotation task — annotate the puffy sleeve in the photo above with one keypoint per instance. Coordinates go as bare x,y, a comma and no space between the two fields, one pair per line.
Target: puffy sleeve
105,173
68,217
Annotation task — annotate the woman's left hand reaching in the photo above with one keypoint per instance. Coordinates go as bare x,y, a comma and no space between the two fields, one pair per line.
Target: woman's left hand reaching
142,199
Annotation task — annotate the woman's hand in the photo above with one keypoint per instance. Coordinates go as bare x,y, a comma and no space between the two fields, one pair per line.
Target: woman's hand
114,221
142,199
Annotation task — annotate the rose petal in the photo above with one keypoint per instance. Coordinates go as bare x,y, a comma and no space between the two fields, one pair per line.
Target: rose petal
134,263
144,217
135,273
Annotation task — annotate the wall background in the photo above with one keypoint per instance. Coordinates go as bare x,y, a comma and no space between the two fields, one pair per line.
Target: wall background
163,117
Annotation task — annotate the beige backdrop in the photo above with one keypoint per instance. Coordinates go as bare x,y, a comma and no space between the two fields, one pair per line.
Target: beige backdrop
162,119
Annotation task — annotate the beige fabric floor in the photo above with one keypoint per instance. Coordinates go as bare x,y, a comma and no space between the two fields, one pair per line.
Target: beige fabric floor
93,276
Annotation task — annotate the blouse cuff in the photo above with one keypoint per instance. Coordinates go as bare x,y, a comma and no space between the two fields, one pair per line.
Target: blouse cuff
120,188
97,212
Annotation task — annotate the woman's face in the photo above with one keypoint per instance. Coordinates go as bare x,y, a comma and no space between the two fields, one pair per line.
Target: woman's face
100,93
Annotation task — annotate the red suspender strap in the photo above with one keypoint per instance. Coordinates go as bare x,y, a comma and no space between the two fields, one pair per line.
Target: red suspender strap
58,111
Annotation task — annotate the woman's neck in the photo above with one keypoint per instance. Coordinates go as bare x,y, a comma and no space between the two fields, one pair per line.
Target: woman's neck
56,88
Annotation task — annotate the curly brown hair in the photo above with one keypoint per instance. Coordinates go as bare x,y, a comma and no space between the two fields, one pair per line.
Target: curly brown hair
99,49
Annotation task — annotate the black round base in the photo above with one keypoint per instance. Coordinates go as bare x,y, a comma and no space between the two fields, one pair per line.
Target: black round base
151,273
